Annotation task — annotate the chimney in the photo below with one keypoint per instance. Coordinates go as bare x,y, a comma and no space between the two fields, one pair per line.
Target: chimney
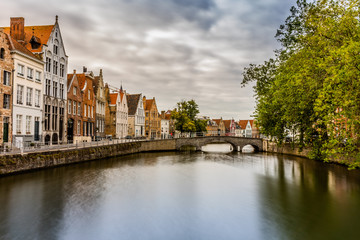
84,69
74,71
17,28
100,72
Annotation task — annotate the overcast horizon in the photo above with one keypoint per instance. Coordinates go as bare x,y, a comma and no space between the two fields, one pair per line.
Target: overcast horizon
171,50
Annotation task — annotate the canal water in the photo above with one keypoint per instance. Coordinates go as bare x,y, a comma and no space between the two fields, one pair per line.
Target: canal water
183,196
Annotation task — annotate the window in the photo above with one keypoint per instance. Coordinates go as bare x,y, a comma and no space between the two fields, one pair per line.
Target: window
62,70
7,78
48,64
38,76
85,108
92,111
47,117
61,90
2,53
89,94
74,108
48,87
79,109
18,123
30,73
74,91
37,97
20,70
29,92
78,127
6,103
28,124
56,49
69,106
55,88
89,111
55,67
19,99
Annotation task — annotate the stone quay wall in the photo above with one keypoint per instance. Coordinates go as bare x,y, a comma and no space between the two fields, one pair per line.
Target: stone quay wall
10,164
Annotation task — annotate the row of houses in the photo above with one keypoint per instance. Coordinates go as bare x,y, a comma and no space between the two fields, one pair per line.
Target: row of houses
40,102
241,128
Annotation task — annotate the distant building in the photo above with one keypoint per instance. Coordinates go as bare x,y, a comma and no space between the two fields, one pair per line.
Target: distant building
249,129
229,127
220,126
136,116
99,90
6,69
172,129
152,119
165,126
116,113
86,83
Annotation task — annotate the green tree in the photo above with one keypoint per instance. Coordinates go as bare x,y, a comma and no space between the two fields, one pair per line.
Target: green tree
312,86
185,117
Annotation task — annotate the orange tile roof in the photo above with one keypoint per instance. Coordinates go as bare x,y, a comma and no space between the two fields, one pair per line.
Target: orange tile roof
41,32
217,121
113,98
14,45
243,123
81,78
227,123
149,103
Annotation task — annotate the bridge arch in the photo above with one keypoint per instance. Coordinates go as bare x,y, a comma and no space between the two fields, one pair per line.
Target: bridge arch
236,142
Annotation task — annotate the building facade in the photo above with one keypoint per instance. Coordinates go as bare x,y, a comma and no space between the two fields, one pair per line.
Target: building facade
6,71
116,113
229,127
74,109
99,89
86,83
46,42
136,116
122,111
221,126
28,95
152,119
165,126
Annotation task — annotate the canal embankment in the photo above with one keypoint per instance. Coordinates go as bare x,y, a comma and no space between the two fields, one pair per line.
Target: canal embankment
16,163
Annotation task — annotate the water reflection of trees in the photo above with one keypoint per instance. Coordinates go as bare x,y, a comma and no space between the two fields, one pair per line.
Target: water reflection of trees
304,199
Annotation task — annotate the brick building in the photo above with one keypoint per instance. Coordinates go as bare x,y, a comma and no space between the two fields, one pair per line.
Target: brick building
6,67
152,119
220,126
99,90
86,83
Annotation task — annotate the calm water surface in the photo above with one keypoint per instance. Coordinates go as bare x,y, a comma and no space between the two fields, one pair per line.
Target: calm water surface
183,196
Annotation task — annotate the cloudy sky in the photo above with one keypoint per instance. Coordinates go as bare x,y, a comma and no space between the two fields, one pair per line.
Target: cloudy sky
167,49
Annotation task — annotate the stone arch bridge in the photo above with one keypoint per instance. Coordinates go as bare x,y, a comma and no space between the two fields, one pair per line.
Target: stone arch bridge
237,142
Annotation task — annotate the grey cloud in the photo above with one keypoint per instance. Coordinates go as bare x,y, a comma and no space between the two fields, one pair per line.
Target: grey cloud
171,50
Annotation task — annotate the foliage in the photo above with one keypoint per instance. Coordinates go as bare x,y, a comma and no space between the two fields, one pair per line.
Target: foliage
312,86
185,117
